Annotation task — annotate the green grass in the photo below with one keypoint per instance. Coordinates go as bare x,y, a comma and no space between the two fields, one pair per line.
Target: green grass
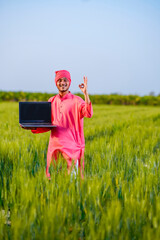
119,197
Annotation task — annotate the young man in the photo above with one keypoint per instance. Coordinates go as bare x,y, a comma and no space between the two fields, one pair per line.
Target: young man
67,111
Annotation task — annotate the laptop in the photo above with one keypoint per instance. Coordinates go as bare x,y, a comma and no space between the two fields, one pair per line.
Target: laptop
35,114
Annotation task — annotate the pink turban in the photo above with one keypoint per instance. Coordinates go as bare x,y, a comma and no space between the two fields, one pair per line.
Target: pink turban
62,74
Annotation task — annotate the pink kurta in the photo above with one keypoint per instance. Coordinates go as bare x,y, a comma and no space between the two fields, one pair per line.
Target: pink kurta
67,114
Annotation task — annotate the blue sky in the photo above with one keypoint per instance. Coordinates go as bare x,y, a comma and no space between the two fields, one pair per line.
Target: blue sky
116,44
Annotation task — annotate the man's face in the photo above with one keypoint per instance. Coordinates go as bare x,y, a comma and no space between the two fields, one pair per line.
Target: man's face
63,84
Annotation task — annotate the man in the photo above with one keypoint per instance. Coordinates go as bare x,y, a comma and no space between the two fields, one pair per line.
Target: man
67,113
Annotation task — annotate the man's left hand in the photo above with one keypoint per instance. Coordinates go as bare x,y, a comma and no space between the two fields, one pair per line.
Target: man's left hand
83,86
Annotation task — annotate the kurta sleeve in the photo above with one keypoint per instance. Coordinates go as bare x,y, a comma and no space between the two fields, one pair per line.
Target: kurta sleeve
40,130
86,109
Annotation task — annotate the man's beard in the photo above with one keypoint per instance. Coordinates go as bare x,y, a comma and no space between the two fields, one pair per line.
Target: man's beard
65,90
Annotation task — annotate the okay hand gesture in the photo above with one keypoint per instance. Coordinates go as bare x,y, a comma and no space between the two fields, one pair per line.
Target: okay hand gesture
83,86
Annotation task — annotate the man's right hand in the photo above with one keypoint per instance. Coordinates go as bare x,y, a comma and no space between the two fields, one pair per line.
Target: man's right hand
28,128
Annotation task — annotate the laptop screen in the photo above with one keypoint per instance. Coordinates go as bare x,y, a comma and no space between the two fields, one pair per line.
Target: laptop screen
34,112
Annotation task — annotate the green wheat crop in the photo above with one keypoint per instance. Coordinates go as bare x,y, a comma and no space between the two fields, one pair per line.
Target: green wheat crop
119,197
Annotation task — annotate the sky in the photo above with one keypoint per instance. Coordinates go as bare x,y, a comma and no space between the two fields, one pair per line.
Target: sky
115,43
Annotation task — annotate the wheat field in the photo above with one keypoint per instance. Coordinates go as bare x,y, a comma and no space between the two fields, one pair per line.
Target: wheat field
119,197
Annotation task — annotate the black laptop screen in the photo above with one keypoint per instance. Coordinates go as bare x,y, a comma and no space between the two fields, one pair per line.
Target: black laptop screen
35,112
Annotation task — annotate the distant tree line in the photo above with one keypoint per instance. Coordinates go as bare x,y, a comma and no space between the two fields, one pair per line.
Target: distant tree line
111,99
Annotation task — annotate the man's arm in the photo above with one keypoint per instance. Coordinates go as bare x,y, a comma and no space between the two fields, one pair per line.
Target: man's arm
27,128
86,109
41,130
86,96
36,129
